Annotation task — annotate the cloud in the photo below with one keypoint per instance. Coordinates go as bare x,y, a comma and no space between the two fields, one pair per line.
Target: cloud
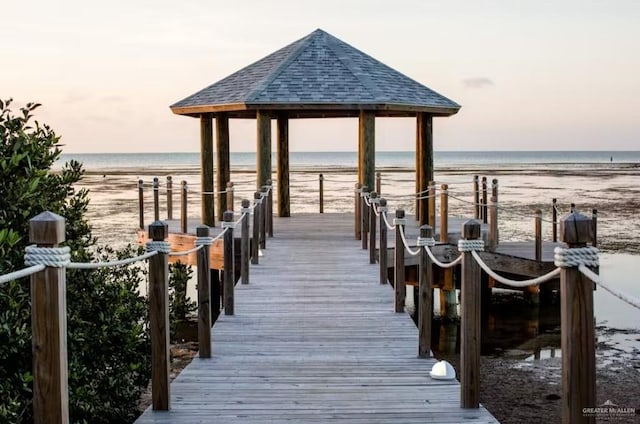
478,82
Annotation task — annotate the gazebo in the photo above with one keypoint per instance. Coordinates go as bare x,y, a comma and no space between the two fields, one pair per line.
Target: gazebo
318,76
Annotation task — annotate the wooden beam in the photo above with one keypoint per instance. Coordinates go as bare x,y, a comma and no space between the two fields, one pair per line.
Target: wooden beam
206,169
284,202
367,148
263,155
418,165
224,164
425,162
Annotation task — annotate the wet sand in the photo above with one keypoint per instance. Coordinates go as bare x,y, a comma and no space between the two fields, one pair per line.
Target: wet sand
515,389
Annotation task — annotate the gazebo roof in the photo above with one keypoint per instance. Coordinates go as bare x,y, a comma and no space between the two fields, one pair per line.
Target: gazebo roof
317,76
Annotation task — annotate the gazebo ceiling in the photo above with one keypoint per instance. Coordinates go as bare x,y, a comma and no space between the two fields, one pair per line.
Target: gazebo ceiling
314,77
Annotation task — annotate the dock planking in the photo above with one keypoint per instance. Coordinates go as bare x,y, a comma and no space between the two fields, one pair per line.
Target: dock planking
314,340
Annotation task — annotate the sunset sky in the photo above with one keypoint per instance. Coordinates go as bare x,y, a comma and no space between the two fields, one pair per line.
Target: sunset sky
530,75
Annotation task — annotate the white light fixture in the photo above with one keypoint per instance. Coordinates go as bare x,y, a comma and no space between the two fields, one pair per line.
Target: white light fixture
443,371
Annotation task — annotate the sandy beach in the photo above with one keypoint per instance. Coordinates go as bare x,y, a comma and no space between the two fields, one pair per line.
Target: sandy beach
516,387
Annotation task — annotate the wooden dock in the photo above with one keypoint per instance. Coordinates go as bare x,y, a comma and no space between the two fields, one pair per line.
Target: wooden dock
314,339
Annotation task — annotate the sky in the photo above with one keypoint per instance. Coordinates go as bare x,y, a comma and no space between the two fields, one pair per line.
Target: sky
530,75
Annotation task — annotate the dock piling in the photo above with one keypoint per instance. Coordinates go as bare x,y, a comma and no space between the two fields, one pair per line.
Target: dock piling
372,228
141,203
432,204
425,293
183,207
244,243
398,280
484,200
321,192
382,260
356,209
255,237
364,210
156,199
538,231
204,294
169,197
444,213
554,214
263,217
230,196
476,196
229,272
270,208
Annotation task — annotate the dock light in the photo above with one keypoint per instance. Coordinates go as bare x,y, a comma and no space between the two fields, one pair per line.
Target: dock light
443,371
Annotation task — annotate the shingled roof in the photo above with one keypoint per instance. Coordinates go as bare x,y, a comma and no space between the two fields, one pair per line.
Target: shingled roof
318,75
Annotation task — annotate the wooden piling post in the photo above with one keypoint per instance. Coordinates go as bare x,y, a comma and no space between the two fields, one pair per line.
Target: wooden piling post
159,320
364,228
141,203
425,295
321,192
229,272
444,213
156,199
49,326
379,183
476,195
577,327
383,242
538,230
484,200
432,204
270,208
230,196
263,217
169,197
358,218
398,280
204,295
470,326
255,237
554,214
372,228
244,243
183,207
594,221
573,207
493,224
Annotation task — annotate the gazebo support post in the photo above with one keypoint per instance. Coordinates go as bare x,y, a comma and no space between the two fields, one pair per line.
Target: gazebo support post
206,166
284,202
263,157
367,148
425,154
224,164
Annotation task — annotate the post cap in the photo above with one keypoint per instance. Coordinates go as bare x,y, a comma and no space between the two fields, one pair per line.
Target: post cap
373,194
158,231
169,178
227,216
257,195
245,203
400,213
229,184
471,229
202,231
47,229
365,189
383,202
426,231
576,229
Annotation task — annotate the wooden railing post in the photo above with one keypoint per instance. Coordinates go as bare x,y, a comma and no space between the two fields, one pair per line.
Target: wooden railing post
159,319
484,200
476,195
554,215
425,294
398,280
255,237
49,326
263,217
444,213
372,228
364,210
141,203
321,192
470,324
356,211
383,242
432,204
594,222
494,237
244,243
169,197
573,208
538,232
204,294
230,196
229,272
183,207
156,199
270,208
378,183
577,327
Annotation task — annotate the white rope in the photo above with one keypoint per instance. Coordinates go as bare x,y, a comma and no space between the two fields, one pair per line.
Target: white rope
57,257
226,225
20,274
386,221
406,244
366,199
627,298
187,252
566,258
442,264
376,208
158,246
239,219
110,264
470,245
514,283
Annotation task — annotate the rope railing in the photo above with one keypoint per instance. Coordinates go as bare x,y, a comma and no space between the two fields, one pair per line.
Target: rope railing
111,264
25,272
627,298
406,243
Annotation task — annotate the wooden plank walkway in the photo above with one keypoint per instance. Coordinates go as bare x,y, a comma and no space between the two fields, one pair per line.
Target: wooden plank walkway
314,340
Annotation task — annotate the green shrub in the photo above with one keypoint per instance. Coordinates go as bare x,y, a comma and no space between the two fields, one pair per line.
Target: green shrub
180,305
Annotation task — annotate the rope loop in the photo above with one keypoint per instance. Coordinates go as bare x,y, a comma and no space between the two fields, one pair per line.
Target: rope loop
399,221
57,257
158,246
203,241
426,241
567,258
246,210
225,225
470,245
